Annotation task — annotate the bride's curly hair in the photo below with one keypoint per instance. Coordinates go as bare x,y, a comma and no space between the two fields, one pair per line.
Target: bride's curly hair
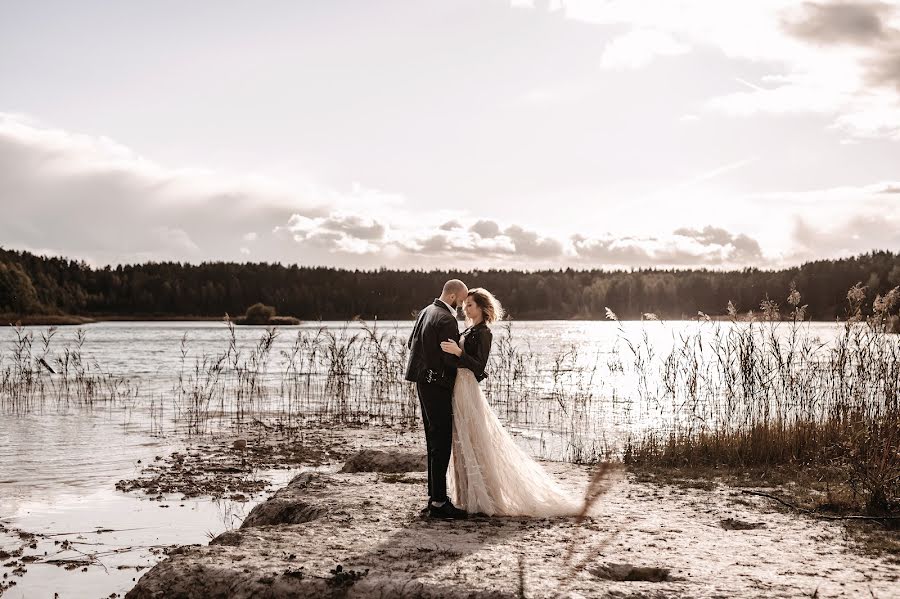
491,309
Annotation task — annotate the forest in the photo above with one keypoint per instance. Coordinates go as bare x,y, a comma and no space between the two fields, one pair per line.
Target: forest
41,285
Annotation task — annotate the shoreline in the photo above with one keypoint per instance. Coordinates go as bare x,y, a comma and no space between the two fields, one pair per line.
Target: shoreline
67,319
174,493
75,320
356,532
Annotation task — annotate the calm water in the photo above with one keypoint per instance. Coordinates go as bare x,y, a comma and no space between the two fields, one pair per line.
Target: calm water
150,351
59,465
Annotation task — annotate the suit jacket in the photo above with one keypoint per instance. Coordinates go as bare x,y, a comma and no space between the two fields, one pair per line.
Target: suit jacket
476,349
434,324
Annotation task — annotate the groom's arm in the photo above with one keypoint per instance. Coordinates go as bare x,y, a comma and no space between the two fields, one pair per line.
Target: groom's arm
415,329
448,330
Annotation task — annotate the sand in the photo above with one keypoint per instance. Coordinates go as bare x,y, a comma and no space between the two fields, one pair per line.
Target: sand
359,534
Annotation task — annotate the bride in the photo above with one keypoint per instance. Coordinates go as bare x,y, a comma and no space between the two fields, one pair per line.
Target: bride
489,473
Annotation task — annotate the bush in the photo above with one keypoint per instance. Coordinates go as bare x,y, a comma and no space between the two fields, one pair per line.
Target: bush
259,313
892,324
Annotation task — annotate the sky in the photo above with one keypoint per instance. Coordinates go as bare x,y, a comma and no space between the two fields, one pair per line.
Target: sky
459,134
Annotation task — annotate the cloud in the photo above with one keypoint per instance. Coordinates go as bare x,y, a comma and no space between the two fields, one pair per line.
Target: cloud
485,239
796,93
639,47
91,198
740,248
884,66
354,225
832,59
709,246
859,78
530,243
860,233
832,222
337,232
485,228
839,22
863,25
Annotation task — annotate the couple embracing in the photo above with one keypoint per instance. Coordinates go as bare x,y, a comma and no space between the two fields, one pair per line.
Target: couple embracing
474,464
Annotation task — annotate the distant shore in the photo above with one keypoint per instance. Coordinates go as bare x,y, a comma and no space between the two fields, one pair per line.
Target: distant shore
72,319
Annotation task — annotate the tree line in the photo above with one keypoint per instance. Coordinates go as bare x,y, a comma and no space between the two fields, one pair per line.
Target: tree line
32,284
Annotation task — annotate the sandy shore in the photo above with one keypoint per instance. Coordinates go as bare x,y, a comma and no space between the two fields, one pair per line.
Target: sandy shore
340,534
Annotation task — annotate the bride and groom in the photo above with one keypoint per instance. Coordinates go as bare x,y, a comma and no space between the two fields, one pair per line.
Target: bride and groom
474,464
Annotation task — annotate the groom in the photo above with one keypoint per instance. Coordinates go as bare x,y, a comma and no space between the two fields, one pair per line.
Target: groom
434,372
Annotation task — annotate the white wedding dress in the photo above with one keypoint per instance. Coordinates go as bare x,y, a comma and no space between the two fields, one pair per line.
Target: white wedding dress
489,473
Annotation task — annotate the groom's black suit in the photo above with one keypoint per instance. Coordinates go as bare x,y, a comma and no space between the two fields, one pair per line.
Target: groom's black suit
434,372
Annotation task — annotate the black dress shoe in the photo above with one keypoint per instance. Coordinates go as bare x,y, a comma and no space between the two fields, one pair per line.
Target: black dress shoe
448,511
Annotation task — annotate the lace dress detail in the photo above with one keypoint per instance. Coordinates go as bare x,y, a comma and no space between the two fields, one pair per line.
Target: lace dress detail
489,473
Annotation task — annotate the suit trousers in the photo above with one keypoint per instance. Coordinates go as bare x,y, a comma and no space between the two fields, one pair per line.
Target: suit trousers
437,415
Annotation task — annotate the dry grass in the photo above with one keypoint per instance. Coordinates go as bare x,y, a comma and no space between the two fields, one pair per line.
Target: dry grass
761,397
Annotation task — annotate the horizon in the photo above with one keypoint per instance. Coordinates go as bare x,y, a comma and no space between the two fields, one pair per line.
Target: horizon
633,269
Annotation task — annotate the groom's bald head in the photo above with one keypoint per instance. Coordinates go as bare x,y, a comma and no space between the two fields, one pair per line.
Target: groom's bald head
454,292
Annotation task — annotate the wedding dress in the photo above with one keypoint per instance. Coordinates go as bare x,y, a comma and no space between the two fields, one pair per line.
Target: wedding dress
489,473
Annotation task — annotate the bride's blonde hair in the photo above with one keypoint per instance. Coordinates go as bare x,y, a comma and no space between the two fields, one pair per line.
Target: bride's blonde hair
491,309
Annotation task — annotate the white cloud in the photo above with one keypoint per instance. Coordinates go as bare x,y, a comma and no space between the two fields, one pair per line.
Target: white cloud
833,222
796,93
72,193
639,47
873,115
836,59
91,198
709,246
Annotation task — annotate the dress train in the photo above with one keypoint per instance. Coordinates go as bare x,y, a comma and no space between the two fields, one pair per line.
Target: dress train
489,473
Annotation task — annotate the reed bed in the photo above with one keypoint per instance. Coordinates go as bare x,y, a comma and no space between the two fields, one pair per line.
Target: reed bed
764,392
757,389
31,377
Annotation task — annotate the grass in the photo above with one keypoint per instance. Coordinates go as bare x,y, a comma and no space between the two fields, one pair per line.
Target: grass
759,396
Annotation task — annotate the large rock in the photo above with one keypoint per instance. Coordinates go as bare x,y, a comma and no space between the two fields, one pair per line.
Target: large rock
291,505
283,511
198,577
373,460
627,572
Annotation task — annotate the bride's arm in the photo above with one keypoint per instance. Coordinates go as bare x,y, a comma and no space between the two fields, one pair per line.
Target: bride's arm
477,361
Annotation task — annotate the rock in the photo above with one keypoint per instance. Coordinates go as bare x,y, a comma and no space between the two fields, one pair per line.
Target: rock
733,524
373,460
305,481
232,538
201,578
627,572
283,511
292,504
